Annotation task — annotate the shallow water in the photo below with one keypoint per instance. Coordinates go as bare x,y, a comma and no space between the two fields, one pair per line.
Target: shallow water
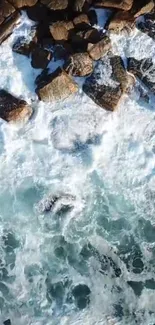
106,164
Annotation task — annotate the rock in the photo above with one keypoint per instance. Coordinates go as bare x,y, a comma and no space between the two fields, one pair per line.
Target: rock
60,30
62,52
144,70
38,12
121,20
92,17
8,25
7,322
81,294
98,50
40,58
92,35
142,7
107,83
55,4
118,4
79,64
22,47
6,9
23,3
57,86
13,109
81,21
148,25
82,5
136,286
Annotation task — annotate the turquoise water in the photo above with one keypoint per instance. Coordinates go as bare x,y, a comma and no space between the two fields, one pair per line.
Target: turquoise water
88,259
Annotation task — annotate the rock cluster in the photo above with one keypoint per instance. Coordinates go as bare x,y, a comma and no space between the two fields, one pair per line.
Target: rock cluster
65,30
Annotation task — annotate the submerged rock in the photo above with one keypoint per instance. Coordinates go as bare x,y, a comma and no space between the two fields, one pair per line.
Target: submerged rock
81,294
57,86
107,83
7,322
79,64
21,46
136,286
144,70
65,202
13,109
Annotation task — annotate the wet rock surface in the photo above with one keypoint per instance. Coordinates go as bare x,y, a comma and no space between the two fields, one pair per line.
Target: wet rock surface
13,109
57,86
107,94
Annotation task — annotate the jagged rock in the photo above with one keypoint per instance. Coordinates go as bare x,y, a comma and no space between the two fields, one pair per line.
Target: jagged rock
8,25
118,4
57,86
60,30
81,21
107,83
6,9
63,200
148,25
62,52
121,20
81,294
81,5
98,50
23,3
22,47
13,109
7,322
55,4
79,64
40,58
142,7
144,70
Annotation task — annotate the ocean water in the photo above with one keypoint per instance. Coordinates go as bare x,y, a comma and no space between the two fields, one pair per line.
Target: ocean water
100,231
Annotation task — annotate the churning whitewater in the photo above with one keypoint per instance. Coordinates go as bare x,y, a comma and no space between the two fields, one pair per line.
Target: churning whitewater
88,256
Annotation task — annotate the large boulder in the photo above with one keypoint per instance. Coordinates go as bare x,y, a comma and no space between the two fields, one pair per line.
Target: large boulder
23,3
121,20
107,83
81,21
118,4
55,4
6,9
79,64
144,70
60,30
40,58
13,109
142,7
98,50
57,86
8,25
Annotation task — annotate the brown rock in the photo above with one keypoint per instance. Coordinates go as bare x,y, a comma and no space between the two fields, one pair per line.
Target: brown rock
98,50
40,58
55,4
118,4
23,3
60,30
79,64
107,83
120,21
8,25
13,109
6,9
57,86
81,21
62,52
82,5
142,7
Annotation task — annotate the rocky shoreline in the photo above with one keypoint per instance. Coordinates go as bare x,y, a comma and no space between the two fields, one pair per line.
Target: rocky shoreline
67,30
